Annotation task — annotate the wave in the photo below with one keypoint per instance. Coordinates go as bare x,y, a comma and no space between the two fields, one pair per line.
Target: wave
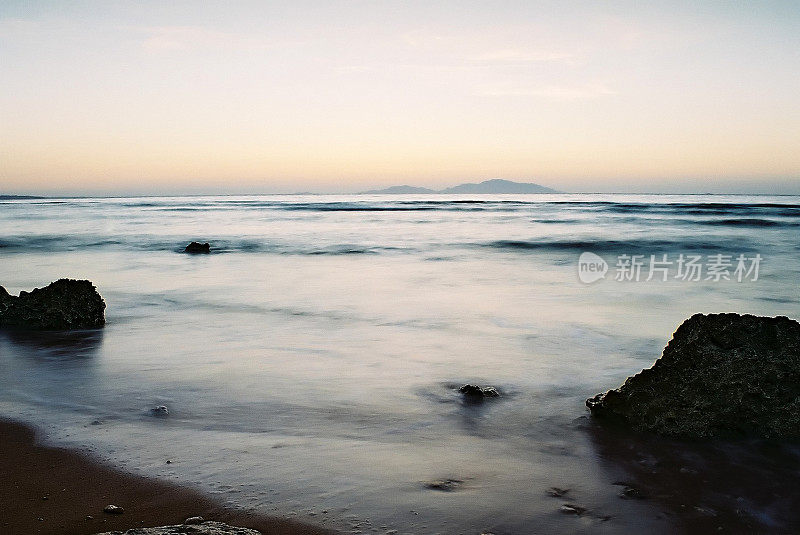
504,206
228,245
726,222
527,206
748,222
623,246
53,243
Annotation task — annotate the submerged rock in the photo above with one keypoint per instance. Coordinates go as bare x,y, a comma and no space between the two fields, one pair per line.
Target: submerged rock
198,248
629,491
557,492
720,375
160,411
64,304
113,509
476,393
206,528
444,485
572,509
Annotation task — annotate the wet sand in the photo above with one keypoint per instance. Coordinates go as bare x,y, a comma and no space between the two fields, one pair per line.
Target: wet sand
56,491
711,486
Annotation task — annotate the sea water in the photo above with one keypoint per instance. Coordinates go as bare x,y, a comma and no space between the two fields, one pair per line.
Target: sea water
311,362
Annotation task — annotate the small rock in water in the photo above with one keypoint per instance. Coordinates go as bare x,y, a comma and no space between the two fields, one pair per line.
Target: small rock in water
445,485
475,393
571,509
161,410
113,509
198,248
194,520
556,492
629,491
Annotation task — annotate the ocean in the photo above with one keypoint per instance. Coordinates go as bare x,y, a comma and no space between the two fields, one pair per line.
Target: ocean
311,362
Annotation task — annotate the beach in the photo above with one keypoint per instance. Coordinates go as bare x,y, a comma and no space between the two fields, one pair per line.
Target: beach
400,268
51,490
311,363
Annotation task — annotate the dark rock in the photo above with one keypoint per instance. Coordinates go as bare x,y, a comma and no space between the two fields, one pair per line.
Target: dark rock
490,392
477,394
198,248
159,411
113,509
720,375
64,304
5,299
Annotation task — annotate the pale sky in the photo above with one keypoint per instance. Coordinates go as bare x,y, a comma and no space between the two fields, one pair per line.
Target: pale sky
253,97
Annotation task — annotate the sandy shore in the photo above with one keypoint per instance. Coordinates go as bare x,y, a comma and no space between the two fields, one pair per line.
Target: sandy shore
56,491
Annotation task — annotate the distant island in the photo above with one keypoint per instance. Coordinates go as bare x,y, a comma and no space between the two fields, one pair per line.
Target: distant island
15,197
496,185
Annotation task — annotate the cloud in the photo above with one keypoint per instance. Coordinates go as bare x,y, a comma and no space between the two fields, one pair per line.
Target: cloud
423,38
523,56
550,92
181,38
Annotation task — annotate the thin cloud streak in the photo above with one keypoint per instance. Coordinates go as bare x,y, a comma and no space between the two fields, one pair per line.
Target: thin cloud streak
524,56
186,38
551,92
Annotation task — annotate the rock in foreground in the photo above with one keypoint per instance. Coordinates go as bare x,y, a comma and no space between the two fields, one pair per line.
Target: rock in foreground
64,304
206,528
720,375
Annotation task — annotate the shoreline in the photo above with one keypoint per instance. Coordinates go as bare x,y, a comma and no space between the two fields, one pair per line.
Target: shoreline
52,490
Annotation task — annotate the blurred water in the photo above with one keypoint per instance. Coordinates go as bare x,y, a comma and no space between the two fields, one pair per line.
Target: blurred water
309,362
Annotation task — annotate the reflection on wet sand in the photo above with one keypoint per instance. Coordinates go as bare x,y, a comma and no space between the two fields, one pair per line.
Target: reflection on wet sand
725,485
55,345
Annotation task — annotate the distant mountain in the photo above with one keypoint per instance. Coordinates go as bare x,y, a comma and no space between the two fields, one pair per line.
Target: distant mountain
399,190
14,197
498,185
495,185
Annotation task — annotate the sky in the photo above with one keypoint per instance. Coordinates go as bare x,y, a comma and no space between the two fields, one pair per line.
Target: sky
174,97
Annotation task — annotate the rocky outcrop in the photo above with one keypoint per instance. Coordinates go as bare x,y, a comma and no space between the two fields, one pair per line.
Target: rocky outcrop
198,248
206,528
5,300
720,375
64,304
